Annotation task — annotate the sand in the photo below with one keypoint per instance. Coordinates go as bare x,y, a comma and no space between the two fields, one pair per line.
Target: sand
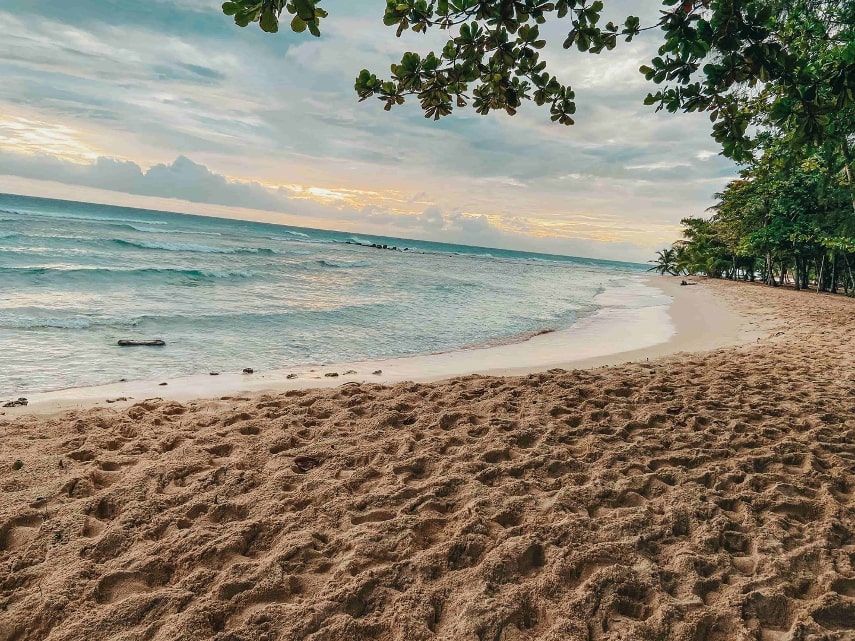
698,496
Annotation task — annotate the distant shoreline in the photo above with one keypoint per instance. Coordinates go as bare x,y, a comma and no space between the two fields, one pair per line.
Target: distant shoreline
697,320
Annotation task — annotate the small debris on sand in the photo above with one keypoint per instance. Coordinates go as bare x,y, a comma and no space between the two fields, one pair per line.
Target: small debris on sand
331,374
290,376
248,370
163,384
21,402
306,463
17,465
349,372
120,399
213,373
377,372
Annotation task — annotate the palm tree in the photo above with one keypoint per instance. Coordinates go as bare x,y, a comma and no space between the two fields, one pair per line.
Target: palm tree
666,262
682,258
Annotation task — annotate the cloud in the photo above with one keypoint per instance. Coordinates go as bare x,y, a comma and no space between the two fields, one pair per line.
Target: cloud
431,219
182,179
187,180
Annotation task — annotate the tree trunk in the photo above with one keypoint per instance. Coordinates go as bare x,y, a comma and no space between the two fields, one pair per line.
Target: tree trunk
849,284
819,276
847,159
834,262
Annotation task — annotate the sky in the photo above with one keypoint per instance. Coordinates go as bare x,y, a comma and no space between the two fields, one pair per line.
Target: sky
167,104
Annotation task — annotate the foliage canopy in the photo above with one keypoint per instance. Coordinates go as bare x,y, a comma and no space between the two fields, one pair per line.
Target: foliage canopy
715,56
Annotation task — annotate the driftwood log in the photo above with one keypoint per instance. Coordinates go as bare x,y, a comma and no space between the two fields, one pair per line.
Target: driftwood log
153,343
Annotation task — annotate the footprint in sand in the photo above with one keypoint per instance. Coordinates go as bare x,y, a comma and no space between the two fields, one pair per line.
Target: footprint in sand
377,516
19,532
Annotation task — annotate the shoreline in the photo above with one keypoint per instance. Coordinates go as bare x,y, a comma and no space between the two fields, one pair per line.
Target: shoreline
697,319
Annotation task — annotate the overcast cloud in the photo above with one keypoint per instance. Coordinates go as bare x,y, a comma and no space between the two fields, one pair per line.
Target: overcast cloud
170,100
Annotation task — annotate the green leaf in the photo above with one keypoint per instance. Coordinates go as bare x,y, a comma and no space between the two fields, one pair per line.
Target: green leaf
298,25
269,22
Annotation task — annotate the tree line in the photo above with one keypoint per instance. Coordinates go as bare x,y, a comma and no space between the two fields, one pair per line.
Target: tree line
789,219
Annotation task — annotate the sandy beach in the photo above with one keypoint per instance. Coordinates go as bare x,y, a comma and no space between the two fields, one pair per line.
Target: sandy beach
699,487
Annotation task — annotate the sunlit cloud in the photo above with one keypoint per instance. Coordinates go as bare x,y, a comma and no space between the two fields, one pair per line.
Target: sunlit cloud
655,166
706,154
22,135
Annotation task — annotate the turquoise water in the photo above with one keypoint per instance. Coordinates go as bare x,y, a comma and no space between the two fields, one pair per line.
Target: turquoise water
227,294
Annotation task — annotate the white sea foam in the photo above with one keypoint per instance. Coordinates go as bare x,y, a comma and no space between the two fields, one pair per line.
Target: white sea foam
149,230
343,264
97,219
191,247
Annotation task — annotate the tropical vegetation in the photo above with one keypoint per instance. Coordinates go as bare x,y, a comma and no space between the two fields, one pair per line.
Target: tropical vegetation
666,262
790,216
788,219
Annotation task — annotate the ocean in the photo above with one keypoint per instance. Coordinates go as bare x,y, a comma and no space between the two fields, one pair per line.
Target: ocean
227,294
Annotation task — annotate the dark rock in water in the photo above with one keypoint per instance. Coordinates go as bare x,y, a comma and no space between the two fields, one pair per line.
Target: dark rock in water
248,370
123,380
152,343
214,373
331,374
21,402
291,376
377,372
